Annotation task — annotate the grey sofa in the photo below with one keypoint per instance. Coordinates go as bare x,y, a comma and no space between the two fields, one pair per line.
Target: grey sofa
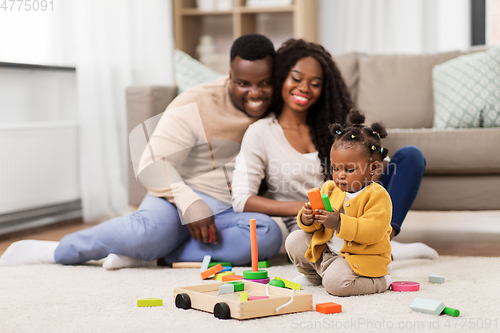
463,165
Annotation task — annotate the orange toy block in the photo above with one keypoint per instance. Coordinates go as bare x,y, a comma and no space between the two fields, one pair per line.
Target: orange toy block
232,278
315,199
329,307
253,245
211,271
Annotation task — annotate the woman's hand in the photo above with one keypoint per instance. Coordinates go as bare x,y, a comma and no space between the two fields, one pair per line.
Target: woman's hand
307,217
329,219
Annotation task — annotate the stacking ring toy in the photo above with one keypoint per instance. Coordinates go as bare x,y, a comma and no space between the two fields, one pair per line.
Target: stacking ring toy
405,286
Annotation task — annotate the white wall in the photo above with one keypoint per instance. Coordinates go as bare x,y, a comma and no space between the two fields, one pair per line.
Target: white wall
394,26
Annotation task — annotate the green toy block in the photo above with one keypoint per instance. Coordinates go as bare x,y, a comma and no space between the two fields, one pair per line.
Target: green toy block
427,306
290,284
251,275
433,278
238,285
326,202
224,264
264,264
150,302
451,312
277,283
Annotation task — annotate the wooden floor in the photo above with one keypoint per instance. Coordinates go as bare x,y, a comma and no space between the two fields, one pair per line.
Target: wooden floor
52,232
446,243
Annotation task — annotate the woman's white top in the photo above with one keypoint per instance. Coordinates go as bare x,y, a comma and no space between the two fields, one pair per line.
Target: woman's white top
267,155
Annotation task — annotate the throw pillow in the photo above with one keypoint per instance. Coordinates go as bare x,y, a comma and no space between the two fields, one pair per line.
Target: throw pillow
189,72
467,91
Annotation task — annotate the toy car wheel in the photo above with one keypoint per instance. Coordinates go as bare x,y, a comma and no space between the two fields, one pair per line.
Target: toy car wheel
222,311
183,301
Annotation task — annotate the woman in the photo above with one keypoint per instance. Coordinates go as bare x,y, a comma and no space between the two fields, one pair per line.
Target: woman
288,152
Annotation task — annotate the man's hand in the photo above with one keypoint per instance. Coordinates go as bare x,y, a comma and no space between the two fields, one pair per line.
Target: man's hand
199,219
329,219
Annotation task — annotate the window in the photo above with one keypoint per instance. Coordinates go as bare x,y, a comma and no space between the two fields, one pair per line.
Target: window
493,22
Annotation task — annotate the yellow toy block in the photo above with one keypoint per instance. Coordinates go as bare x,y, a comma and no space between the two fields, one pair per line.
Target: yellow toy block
290,284
243,297
150,302
220,275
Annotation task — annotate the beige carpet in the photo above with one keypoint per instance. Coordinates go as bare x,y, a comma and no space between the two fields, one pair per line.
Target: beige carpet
53,298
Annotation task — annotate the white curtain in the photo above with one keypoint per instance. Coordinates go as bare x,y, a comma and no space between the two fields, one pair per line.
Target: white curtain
394,26
117,43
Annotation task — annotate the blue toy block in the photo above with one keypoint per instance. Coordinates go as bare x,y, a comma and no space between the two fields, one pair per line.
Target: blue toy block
226,288
205,263
427,306
433,278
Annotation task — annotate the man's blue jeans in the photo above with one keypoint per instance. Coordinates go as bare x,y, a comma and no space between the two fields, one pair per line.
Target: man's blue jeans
402,180
155,231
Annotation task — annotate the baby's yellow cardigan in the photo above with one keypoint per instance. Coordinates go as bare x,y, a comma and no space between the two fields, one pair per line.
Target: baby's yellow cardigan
365,229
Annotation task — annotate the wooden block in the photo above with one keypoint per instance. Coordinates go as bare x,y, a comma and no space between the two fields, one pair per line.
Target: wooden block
433,278
205,263
211,271
232,278
314,195
264,264
220,275
150,302
255,298
186,264
226,288
290,284
329,307
326,202
427,306
243,297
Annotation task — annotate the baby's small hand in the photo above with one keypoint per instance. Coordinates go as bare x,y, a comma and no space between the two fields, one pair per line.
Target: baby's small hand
329,219
307,214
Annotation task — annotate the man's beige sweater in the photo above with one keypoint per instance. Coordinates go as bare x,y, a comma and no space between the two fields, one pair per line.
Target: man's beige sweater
194,146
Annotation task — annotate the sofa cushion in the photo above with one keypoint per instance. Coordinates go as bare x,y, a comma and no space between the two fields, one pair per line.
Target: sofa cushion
348,67
451,151
458,192
467,91
189,72
397,89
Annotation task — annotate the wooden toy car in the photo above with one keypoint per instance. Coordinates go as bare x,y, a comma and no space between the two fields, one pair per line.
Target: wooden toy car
206,297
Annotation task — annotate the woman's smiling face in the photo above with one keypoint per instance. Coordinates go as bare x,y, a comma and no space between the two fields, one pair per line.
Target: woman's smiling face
302,88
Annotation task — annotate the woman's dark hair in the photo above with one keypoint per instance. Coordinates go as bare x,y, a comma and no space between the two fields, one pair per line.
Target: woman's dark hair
333,104
356,134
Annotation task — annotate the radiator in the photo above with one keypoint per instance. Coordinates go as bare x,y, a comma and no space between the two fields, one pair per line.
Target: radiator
39,165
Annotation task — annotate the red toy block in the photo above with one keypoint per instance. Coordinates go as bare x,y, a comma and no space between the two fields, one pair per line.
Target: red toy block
211,271
232,278
315,199
329,307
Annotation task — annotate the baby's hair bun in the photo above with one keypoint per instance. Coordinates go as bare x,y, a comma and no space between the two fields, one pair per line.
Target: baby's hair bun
355,117
380,129
335,129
